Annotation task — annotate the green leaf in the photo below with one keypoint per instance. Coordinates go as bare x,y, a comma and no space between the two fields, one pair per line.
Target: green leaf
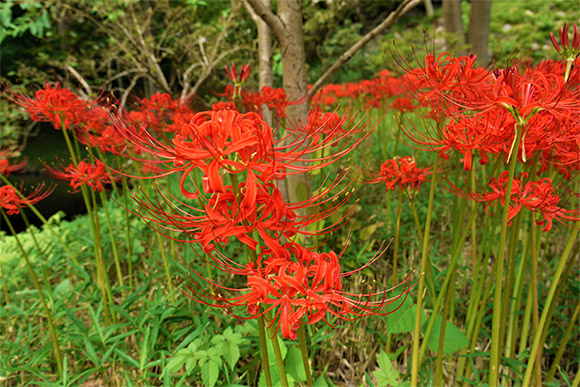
275,378
231,352
320,382
177,361
386,375
62,289
454,339
403,319
217,339
209,373
294,364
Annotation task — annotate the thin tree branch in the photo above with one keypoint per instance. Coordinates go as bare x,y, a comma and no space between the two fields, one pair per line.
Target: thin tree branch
402,9
129,88
274,22
81,80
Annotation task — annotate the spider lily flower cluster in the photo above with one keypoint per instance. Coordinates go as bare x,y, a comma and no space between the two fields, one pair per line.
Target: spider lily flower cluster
297,283
401,172
236,198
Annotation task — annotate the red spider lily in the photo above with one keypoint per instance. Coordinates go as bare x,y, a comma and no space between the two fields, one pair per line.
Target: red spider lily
255,208
159,113
443,75
224,140
56,105
229,142
236,78
216,107
94,175
326,123
402,172
98,131
5,167
301,289
538,196
13,202
276,100
568,52
404,104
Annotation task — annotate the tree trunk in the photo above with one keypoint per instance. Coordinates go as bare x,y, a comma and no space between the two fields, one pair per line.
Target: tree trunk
265,73
478,33
453,23
429,8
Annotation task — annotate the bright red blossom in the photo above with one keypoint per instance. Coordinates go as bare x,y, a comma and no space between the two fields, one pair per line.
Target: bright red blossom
402,172
538,196
94,175
59,106
12,202
301,289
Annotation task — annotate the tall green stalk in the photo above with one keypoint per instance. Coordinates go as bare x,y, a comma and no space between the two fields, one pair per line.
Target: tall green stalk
103,197
430,276
496,345
417,331
555,279
128,232
106,283
304,352
52,330
396,253
563,342
261,322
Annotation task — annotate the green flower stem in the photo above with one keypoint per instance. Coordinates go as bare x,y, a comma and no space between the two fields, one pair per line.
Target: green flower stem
474,296
165,264
576,381
496,345
172,244
261,322
277,353
417,332
507,296
454,257
389,221
526,320
509,280
430,276
396,253
535,301
69,145
479,318
397,234
304,351
103,197
264,348
128,232
37,213
4,285
517,295
555,279
562,344
101,259
52,330
474,247
439,361
569,63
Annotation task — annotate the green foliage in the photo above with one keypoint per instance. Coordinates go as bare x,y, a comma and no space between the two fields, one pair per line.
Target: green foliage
222,350
403,319
387,375
454,339
18,18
